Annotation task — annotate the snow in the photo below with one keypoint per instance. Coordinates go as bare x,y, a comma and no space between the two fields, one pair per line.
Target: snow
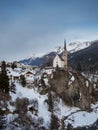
64,110
13,72
11,117
58,49
74,115
46,81
22,92
48,71
30,79
76,46
73,47
87,84
17,69
10,107
71,80
25,92
43,111
82,118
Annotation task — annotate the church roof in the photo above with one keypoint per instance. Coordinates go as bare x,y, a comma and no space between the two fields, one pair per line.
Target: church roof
60,57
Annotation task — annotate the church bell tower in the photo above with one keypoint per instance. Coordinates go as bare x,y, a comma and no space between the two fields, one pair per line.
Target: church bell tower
65,55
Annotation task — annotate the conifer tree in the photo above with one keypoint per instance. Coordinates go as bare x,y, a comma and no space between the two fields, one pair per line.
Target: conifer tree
4,80
13,66
23,80
54,122
79,67
3,121
50,102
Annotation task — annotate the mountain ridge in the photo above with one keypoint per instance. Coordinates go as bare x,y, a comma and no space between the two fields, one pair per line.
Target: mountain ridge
88,58
71,47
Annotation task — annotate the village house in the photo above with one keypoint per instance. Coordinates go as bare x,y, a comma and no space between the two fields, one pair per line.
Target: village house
29,74
15,76
27,67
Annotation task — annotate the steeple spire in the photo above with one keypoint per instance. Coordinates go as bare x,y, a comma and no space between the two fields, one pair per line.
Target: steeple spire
64,44
65,55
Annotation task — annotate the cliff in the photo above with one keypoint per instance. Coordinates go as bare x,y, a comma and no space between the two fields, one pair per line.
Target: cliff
74,88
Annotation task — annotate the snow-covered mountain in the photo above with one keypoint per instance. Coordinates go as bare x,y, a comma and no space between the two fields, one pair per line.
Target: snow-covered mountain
88,58
76,46
71,48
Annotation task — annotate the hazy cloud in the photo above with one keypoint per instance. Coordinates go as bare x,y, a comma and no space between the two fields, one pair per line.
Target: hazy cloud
30,27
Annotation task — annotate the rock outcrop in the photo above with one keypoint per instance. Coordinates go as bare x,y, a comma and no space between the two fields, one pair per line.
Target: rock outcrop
74,88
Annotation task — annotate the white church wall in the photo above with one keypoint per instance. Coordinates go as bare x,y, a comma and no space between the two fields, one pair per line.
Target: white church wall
58,61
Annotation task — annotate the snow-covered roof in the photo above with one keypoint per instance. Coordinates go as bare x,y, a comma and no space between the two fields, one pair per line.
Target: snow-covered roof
29,72
13,73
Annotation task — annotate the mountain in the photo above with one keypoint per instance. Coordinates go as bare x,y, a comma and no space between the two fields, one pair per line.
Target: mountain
76,46
47,59
39,61
88,57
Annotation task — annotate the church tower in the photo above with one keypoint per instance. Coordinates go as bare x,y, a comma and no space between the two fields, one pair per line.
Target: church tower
65,55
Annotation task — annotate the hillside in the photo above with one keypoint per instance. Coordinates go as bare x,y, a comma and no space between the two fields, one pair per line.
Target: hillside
40,61
88,58
49,101
76,46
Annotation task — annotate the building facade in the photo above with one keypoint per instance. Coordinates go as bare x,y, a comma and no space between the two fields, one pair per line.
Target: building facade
59,61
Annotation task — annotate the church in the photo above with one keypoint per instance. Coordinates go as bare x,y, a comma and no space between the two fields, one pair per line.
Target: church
60,61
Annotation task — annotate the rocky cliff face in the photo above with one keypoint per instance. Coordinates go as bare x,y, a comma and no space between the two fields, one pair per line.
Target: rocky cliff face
73,88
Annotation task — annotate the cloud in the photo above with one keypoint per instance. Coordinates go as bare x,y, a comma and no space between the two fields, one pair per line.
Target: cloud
81,34
18,43
28,28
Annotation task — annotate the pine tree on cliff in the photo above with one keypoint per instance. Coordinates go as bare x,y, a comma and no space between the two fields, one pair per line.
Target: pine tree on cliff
79,67
4,80
50,102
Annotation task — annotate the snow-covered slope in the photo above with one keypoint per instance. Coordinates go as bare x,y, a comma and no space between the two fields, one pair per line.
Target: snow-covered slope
73,47
22,105
73,115
76,46
58,49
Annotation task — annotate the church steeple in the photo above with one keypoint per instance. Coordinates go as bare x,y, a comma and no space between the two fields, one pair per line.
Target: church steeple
64,44
65,55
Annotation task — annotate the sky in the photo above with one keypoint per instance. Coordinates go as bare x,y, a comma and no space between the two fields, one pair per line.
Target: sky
34,27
